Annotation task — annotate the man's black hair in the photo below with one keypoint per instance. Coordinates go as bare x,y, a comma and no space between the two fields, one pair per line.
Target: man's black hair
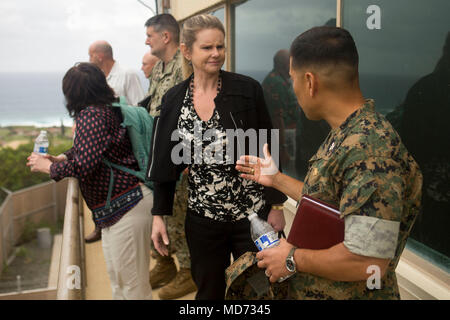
85,85
324,46
165,22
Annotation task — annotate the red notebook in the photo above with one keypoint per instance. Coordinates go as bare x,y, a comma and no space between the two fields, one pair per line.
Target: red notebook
316,225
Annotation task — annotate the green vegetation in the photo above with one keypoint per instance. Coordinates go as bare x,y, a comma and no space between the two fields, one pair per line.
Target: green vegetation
14,174
21,252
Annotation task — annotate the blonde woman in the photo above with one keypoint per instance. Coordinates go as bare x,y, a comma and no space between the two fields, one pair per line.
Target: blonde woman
210,100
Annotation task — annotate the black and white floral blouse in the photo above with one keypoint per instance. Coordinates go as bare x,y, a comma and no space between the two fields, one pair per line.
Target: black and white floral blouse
215,191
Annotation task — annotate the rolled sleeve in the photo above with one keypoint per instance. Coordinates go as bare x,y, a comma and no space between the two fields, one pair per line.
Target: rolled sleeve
372,204
370,236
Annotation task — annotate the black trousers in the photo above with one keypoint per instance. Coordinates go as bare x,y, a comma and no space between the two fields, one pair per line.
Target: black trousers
211,244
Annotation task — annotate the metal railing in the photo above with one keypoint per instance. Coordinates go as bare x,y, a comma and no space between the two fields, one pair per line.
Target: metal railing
71,268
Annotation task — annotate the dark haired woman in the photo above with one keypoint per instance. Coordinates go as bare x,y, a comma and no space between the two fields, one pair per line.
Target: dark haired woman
210,100
126,224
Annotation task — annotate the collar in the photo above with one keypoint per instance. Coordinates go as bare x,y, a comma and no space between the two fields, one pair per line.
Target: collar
169,67
232,84
352,120
113,70
338,135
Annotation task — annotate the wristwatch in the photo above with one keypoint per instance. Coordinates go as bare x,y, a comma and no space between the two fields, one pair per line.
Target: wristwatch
290,262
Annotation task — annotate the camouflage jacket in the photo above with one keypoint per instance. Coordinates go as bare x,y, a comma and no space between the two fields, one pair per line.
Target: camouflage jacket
162,80
280,99
364,169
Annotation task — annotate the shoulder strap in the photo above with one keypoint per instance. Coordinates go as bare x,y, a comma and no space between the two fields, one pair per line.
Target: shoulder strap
111,184
122,168
111,178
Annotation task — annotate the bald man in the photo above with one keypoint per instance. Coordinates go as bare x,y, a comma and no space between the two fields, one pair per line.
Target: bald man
148,62
124,82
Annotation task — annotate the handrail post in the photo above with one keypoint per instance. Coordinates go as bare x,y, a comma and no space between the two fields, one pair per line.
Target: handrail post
70,279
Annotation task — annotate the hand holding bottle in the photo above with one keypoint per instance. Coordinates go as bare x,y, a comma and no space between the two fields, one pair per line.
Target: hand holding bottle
39,163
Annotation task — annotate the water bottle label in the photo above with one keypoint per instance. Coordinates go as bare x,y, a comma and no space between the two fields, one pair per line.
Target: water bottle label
43,150
267,240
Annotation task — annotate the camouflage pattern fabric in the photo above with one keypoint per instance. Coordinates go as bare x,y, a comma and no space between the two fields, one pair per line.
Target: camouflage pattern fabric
370,236
175,226
285,114
363,168
245,281
280,99
162,80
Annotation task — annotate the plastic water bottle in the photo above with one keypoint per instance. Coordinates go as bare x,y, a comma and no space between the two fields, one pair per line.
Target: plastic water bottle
262,233
41,143
264,236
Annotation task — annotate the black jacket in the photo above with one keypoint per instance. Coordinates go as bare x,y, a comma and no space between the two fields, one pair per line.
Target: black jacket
240,105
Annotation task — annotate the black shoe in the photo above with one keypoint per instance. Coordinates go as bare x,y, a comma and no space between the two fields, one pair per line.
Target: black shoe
94,236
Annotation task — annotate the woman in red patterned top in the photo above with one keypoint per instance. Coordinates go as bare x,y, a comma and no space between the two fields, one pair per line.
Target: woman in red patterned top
126,222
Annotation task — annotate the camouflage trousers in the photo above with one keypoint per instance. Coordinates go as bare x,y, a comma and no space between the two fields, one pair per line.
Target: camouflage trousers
175,225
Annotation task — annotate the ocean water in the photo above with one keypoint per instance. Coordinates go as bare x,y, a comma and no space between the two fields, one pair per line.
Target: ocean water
32,99
35,99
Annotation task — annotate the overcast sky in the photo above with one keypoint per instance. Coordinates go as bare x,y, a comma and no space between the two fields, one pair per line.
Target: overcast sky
51,35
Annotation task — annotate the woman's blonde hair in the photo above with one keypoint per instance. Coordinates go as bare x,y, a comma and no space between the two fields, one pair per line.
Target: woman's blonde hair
189,34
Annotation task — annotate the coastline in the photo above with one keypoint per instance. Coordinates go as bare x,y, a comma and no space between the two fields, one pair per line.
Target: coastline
16,135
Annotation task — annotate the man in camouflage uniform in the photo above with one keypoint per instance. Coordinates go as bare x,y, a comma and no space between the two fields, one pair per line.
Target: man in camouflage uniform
362,167
282,103
163,38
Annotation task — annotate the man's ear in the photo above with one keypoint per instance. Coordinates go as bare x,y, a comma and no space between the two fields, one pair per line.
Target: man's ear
311,83
166,36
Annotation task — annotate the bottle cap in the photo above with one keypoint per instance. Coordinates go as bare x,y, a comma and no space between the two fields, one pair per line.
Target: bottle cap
43,132
251,216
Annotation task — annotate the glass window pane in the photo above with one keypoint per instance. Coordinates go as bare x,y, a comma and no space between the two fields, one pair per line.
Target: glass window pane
263,28
404,49
219,13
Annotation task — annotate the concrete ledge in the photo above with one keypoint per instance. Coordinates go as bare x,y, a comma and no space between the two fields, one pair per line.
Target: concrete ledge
37,294
419,279
54,265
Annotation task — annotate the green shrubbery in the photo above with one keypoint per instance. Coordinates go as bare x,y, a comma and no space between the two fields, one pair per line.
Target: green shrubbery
15,175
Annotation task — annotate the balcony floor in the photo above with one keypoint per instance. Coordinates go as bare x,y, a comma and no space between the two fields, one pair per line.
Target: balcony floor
97,280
